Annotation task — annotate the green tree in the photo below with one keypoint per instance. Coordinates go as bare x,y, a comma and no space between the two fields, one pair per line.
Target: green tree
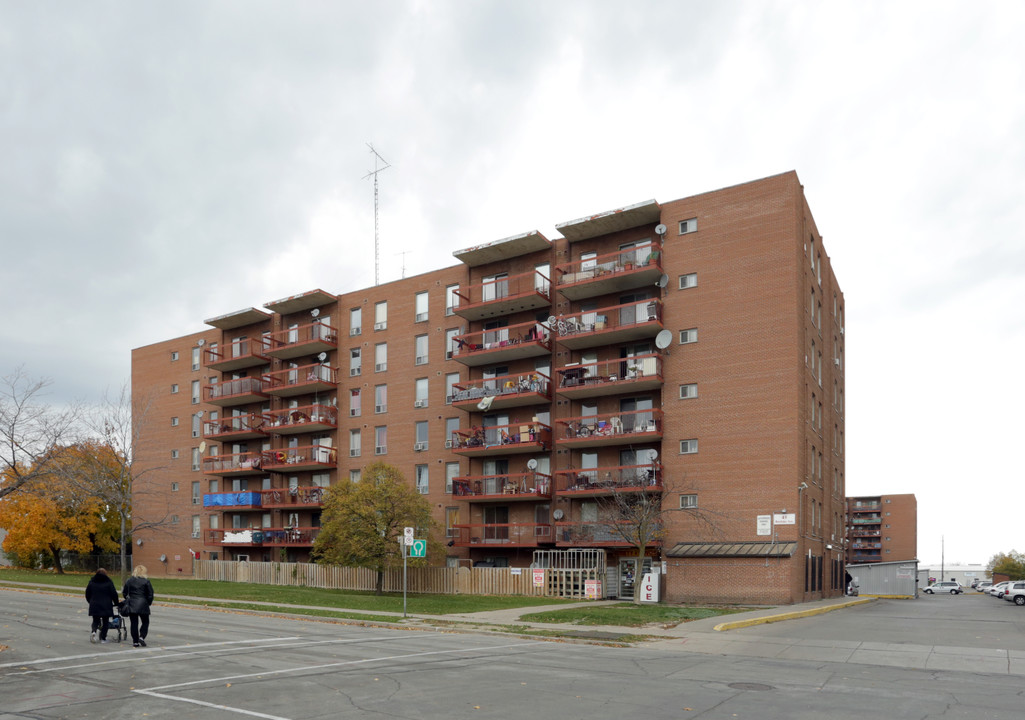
362,521
1011,564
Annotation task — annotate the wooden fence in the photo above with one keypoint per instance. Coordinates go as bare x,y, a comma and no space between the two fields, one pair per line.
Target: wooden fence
424,580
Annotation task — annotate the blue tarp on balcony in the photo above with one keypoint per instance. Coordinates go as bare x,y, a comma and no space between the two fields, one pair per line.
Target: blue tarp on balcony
230,499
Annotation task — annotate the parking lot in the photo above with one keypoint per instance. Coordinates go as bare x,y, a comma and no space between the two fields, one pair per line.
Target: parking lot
882,659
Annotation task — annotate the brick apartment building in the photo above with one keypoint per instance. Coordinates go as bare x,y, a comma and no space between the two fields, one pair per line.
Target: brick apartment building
882,528
691,349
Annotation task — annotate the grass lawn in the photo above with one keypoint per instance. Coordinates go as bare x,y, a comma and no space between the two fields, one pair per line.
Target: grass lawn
628,614
170,588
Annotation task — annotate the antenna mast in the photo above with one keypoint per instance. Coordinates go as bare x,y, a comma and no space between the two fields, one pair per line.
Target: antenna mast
374,172
403,254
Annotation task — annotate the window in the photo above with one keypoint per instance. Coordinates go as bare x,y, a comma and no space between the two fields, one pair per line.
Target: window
195,460
380,399
420,307
688,391
174,388
689,336
451,473
355,443
355,402
421,436
380,357
450,386
355,362
451,299
196,499
421,393
450,342
420,349
688,281
195,526
174,422
381,440
197,422
195,392
355,321
195,358
688,447
354,476
688,226
174,356
451,520
688,501
174,487
174,454
422,473
451,425
381,315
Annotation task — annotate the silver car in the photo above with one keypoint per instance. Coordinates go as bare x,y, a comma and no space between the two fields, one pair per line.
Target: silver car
1015,592
945,587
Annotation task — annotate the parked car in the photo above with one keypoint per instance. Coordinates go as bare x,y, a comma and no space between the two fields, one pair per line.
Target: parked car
998,589
983,586
1015,592
945,587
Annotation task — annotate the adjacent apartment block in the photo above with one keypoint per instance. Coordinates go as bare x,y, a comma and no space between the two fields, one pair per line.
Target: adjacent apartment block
690,351
882,528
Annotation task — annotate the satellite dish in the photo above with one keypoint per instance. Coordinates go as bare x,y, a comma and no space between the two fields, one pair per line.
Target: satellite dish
664,339
202,446
660,229
200,343
138,541
532,464
322,357
163,558
662,281
558,514
653,453
201,413
552,319
315,312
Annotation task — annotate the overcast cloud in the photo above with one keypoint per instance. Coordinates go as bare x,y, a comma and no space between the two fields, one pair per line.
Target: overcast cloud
162,163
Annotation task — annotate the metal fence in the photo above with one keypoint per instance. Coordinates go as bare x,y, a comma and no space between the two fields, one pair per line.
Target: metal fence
73,562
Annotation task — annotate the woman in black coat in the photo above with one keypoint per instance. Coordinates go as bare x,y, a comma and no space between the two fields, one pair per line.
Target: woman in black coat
101,594
139,594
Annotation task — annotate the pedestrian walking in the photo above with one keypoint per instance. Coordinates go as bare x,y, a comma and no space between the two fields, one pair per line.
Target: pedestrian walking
101,594
138,594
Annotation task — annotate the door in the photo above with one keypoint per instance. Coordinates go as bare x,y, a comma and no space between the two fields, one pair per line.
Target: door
496,524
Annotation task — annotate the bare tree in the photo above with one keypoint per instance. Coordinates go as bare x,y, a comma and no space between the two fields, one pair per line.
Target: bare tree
30,431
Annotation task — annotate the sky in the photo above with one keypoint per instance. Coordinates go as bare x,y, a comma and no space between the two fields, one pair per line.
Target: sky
164,163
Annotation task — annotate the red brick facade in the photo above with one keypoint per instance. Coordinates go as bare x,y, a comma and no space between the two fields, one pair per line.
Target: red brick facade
744,410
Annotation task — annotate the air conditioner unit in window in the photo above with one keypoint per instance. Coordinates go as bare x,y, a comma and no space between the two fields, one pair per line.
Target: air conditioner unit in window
836,361
353,452
420,317
420,447
420,403
195,534
421,359
355,331
380,367
380,408
381,326
380,450
448,444
353,412
353,372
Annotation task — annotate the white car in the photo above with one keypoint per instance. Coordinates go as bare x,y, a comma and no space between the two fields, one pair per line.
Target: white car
1015,592
945,587
998,589
983,586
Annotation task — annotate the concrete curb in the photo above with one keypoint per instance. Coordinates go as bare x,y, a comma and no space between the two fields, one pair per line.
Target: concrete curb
779,617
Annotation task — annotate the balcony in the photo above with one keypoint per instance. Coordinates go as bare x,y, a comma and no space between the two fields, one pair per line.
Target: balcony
244,353
498,440
489,488
303,340
627,269
236,427
594,534
302,380
504,391
867,521
300,458
503,296
305,419
243,463
261,537
237,500
610,325
874,507
240,391
609,480
502,534
502,344
622,428
643,372
311,496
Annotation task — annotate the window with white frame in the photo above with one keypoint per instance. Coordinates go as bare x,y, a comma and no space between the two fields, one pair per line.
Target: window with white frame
195,358
688,281
355,402
380,357
195,392
688,226
420,307
174,356
688,502
450,386
690,390
381,315
420,349
355,475
174,487
450,342
422,473
174,388
355,361
355,321
421,392
174,454
355,443
421,435
197,496
451,473
451,299
451,520
380,399
688,336
381,440
451,425
688,447
195,459
174,422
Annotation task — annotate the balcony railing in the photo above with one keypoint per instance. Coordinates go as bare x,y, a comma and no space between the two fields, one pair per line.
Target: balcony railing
609,480
301,496
299,458
590,534
502,344
633,426
235,500
523,486
303,340
244,353
236,427
308,418
583,380
504,391
243,463
613,272
502,534
261,537
502,439
240,391
302,380
867,521
875,507
504,295
613,324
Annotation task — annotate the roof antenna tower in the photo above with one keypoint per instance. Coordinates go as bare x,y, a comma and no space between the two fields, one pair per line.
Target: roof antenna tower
378,161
